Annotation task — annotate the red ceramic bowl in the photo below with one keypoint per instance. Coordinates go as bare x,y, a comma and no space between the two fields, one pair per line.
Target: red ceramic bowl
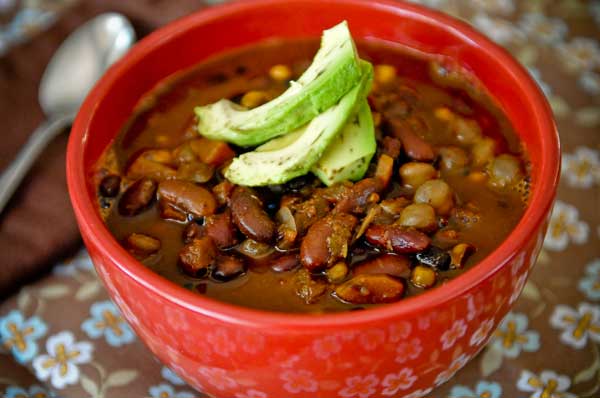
401,349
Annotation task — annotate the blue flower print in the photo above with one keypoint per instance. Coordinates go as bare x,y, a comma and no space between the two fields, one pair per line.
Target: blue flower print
34,391
107,321
590,283
171,376
19,335
167,391
512,336
483,389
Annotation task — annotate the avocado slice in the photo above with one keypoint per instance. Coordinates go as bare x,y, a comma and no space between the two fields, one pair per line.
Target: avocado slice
335,70
293,155
347,157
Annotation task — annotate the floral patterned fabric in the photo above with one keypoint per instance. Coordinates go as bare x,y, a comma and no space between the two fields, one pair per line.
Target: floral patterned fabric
62,336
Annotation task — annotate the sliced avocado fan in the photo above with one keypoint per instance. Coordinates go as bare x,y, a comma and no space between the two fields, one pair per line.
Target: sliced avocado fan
335,70
294,154
348,155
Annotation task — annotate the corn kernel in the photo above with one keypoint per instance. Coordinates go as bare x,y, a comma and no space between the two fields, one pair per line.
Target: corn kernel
444,114
337,273
254,98
280,72
384,74
423,276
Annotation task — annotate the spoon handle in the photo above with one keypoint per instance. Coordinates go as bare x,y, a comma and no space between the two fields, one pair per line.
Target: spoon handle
13,175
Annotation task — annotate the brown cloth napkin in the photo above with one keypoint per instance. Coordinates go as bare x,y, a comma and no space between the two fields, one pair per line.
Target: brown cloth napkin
38,226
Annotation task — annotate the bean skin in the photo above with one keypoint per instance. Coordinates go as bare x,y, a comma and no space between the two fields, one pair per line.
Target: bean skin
327,241
400,240
390,264
188,197
250,217
357,197
285,263
371,289
197,257
228,268
415,147
137,197
221,229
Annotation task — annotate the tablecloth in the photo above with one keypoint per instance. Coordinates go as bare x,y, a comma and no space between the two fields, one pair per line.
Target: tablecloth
62,336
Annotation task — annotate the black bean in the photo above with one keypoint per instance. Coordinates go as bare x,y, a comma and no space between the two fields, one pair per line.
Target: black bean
435,258
110,186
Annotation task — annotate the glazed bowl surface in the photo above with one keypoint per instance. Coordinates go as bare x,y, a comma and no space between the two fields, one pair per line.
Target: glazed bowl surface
397,350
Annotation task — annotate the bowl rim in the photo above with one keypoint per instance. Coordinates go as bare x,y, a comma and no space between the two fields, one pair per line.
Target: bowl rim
93,227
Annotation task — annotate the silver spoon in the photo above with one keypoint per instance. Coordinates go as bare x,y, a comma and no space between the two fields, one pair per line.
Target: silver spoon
71,73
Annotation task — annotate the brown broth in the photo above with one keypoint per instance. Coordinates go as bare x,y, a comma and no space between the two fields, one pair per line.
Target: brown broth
164,119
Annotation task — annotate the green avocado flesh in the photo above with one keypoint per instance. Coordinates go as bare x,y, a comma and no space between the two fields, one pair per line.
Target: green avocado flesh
334,71
294,154
347,157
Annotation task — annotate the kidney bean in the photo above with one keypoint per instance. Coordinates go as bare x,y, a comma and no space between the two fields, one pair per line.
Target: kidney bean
192,231
285,263
396,238
220,228
110,186
197,257
250,217
327,241
415,147
357,197
141,245
370,289
435,257
188,197
137,197
390,264
228,267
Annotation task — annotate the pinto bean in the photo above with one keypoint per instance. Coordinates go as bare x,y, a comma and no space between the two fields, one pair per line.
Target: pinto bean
228,268
414,174
327,241
250,217
436,193
420,216
396,238
221,229
110,186
390,264
141,245
415,147
187,197
285,263
370,289
137,197
197,257
357,197
453,159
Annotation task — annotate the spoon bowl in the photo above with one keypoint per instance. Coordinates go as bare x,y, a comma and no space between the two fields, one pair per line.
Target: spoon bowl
71,73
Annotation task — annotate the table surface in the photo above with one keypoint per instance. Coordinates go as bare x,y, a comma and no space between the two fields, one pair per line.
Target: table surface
548,344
